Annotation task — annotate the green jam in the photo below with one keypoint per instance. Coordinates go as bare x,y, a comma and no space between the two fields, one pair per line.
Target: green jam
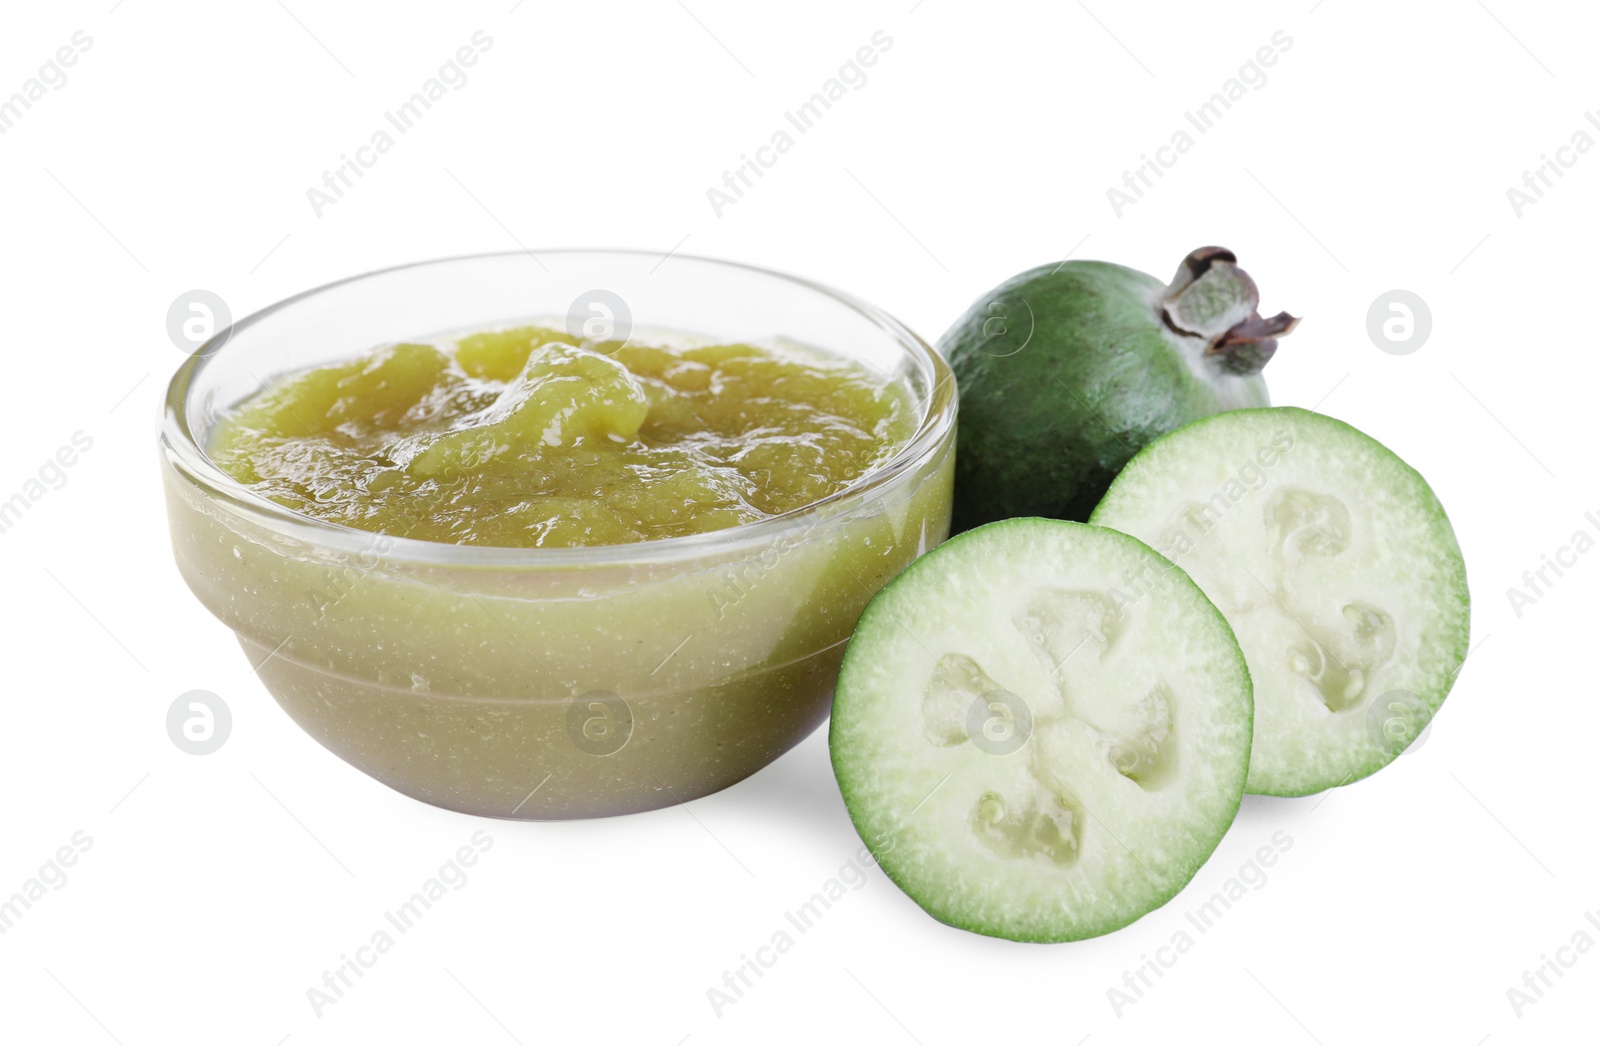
527,437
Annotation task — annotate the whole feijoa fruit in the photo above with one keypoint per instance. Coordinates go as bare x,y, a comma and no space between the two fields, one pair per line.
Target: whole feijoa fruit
1068,370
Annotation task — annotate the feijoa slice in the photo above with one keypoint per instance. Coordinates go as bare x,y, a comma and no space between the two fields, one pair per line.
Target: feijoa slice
1041,730
1337,568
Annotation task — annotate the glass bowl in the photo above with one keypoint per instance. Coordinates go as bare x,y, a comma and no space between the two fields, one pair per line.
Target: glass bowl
552,683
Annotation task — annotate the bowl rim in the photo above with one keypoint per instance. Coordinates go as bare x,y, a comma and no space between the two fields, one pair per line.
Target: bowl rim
184,453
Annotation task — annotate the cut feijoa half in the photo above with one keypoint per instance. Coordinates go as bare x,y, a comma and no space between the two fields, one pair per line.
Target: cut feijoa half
1041,730
1335,564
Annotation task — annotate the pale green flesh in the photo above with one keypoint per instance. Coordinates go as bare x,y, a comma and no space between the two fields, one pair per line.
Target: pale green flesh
1335,565
1109,746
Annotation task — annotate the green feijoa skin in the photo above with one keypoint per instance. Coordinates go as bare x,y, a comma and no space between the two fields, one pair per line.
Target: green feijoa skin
1067,370
1337,568
1041,730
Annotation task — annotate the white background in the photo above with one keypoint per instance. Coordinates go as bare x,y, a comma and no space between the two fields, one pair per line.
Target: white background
1377,156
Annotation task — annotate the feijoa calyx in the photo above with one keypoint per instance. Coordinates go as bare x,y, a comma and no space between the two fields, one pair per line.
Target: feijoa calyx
1068,370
